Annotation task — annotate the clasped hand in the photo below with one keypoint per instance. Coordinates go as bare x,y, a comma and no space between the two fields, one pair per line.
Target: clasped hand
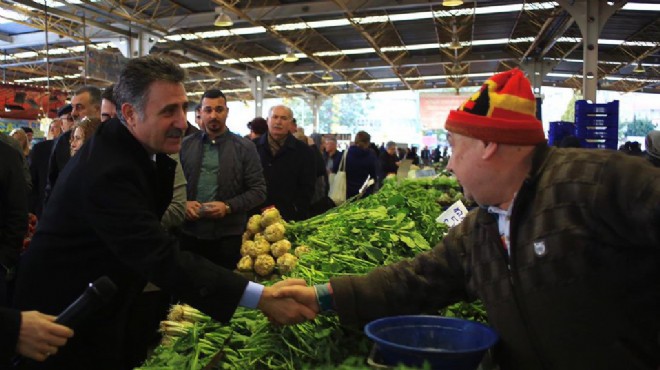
288,302
196,210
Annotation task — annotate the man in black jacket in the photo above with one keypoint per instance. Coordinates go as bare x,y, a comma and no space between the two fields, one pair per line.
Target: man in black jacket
217,206
103,219
288,165
31,334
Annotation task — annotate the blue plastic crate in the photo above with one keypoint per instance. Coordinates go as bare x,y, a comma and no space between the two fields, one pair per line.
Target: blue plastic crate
597,132
584,108
610,143
597,121
558,130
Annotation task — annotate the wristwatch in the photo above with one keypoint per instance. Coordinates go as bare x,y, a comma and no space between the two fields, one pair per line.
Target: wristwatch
228,208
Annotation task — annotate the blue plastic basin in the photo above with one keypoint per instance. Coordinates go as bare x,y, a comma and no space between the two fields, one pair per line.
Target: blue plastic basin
443,342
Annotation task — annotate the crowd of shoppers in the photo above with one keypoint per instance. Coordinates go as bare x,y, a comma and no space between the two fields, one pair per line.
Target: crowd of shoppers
125,187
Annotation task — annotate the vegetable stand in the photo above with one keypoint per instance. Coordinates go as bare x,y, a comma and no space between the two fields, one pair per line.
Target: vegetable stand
396,222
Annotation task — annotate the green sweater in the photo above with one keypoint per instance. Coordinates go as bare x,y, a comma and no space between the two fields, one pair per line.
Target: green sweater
582,287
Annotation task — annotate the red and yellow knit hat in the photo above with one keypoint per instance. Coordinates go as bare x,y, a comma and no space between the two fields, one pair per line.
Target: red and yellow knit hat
502,111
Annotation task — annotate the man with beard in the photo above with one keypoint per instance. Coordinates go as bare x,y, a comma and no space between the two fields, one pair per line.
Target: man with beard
104,219
86,102
563,250
225,181
108,106
289,166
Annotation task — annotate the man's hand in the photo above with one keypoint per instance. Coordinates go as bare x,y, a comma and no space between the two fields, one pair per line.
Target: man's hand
305,295
215,209
282,310
40,337
193,208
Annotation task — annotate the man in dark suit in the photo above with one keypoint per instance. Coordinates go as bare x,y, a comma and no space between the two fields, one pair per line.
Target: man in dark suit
104,219
39,156
31,334
86,102
289,167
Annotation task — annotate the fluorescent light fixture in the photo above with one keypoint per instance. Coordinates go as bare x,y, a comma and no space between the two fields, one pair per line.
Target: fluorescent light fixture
222,20
290,57
194,65
455,44
452,2
643,7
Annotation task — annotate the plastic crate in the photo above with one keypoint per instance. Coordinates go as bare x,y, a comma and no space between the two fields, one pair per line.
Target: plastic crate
597,121
584,108
558,130
597,132
610,143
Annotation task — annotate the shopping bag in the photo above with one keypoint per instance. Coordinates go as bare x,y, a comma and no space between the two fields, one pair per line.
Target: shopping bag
337,190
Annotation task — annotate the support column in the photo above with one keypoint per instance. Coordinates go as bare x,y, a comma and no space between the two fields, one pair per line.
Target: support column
259,85
137,46
536,71
590,16
315,103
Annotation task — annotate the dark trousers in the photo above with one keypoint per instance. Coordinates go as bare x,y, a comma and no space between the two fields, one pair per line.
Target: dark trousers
225,252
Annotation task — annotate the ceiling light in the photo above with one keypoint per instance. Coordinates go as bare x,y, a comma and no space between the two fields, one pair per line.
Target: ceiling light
222,20
590,75
290,57
327,76
639,68
452,2
455,45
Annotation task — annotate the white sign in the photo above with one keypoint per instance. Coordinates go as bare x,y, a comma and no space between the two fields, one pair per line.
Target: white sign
453,215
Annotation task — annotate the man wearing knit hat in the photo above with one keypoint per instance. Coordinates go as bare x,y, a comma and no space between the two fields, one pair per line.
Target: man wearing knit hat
563,250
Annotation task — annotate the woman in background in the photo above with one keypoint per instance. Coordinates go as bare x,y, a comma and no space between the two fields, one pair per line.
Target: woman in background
83,131
22,139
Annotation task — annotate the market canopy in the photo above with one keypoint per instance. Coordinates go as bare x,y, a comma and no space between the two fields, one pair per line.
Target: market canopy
321,48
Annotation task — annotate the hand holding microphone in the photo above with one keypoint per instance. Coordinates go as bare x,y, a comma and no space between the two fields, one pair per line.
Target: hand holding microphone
41,335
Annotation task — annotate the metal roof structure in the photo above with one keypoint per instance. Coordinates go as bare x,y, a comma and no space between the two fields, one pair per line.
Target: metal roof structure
342,46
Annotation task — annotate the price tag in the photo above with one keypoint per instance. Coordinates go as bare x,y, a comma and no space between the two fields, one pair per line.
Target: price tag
453,215
425,173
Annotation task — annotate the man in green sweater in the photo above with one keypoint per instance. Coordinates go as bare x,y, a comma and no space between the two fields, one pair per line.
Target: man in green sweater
563,250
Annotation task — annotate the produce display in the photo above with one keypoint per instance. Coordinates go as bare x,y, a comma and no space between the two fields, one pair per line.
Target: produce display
396,222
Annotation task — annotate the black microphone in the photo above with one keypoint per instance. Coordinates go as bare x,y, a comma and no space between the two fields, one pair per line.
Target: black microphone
95,295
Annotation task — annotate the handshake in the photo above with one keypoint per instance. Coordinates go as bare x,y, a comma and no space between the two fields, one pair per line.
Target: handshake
289,302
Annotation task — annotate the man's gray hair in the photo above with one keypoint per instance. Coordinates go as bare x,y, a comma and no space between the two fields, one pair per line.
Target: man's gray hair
136,78
270,111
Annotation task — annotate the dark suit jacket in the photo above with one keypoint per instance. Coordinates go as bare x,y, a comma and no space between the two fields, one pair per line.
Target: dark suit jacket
103,218
39,157
10,324
290,177
13,208
59,157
